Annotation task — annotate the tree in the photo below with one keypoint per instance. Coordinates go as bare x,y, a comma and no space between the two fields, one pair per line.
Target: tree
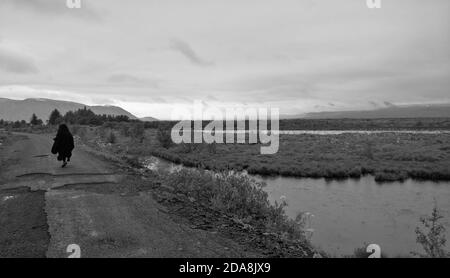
17,124
35,120
55,118
70,118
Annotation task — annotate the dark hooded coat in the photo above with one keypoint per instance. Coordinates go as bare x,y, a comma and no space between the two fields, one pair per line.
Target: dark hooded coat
63,145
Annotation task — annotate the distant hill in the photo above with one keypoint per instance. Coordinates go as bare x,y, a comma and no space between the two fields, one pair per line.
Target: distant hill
148,119
411,111
17,110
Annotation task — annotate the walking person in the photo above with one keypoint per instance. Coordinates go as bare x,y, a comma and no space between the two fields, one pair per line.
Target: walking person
63,145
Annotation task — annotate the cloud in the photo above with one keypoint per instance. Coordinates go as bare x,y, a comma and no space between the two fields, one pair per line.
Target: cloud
271,86
373,103
185,49
288,54
211,98
23,92
389,104
133,81
159,100
16,63
123,78
52,7
103,101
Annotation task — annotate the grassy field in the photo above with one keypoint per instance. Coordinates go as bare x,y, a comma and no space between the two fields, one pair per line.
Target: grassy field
367,124
348,124
387,156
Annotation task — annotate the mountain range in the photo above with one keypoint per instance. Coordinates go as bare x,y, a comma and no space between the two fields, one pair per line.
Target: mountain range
148,119
17,110
393,111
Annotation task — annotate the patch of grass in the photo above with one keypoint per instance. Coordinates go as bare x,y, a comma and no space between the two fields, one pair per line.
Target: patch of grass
367,124
133,161
237,195
387,156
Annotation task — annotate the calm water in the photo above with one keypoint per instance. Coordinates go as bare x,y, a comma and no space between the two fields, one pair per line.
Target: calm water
349,213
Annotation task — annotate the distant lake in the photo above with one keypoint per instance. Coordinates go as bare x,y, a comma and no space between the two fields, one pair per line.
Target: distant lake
348,213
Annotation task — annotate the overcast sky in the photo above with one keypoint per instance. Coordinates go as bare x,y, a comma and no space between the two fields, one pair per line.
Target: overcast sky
149,56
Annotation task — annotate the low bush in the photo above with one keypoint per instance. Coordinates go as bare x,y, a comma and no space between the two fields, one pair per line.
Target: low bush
431,236
237,195
164,137
111,137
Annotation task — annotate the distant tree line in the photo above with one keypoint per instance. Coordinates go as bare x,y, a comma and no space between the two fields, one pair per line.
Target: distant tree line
34,121
82,116
16,124
85,117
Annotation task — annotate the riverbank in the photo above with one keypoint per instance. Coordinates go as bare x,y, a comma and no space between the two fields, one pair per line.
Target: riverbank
349,213
387,156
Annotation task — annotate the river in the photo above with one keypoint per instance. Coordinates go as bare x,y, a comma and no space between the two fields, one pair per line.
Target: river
348,213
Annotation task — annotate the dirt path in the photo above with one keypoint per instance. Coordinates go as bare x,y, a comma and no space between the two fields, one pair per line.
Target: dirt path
46,208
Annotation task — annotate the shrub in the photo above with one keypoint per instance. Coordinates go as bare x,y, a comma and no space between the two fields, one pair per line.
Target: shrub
79,130
125,130
432,236
111,137
164,137
237,195
137,131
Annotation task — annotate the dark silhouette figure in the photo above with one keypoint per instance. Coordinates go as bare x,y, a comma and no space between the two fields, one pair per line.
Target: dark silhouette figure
63,145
